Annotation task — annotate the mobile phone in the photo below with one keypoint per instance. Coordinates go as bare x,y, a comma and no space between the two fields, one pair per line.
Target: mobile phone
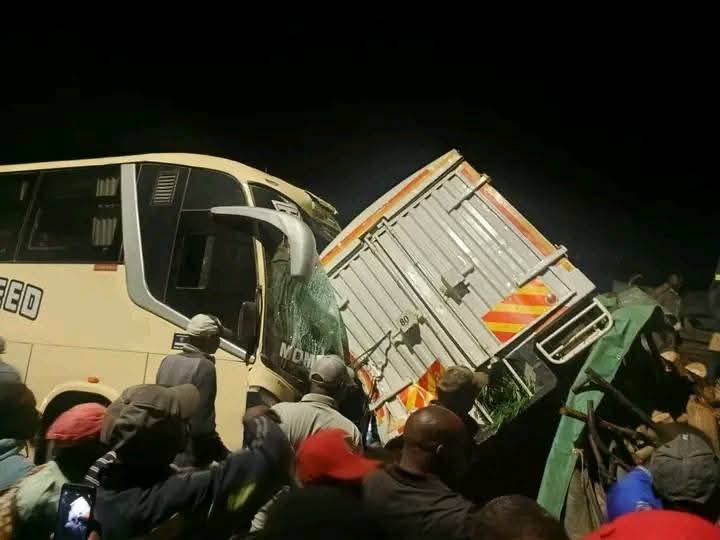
75,512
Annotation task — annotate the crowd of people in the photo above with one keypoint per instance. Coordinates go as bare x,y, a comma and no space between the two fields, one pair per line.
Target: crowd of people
160,470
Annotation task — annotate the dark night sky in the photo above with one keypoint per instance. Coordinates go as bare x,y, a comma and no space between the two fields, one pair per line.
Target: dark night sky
606,149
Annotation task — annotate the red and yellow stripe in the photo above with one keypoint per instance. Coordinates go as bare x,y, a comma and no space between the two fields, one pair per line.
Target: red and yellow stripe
372,391
519,310
421,393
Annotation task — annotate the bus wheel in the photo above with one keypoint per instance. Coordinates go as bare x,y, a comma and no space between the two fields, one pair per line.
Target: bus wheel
44,449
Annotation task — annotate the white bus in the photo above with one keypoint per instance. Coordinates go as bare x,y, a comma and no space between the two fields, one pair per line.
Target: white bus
103,261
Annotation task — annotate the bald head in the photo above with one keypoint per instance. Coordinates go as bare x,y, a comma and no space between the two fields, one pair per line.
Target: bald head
433,441
432,425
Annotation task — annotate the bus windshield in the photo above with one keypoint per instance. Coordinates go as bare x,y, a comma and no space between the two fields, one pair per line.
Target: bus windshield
302,319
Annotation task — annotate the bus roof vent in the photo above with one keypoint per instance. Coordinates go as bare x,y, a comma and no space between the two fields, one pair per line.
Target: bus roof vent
164,191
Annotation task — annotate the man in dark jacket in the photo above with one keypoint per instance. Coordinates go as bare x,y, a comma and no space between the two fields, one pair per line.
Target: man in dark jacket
412,500
195,365
139,492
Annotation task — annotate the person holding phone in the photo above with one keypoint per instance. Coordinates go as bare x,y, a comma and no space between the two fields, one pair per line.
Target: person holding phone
75,436
138,491
75,512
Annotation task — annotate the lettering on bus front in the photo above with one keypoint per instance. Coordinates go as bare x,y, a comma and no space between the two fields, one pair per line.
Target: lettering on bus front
291,353
21,298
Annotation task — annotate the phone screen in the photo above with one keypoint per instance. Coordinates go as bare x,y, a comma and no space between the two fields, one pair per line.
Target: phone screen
74,512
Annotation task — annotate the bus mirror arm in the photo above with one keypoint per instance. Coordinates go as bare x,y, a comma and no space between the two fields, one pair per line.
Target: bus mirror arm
303,254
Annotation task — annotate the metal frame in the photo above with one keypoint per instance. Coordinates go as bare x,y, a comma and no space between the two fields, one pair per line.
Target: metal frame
585,343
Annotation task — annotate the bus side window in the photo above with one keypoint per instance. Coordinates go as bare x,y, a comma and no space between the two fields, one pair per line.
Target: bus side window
75,217
160,190
192,264
213,267
16,191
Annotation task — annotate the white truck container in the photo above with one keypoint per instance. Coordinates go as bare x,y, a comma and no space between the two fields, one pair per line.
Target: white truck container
443,271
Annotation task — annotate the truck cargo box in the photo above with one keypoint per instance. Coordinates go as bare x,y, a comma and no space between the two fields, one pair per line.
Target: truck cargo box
443,271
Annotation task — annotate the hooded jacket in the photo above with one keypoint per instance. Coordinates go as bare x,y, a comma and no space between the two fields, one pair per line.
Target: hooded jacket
132,501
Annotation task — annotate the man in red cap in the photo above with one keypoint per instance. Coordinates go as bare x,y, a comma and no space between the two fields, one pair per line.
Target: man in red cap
657,525
76,438
326,458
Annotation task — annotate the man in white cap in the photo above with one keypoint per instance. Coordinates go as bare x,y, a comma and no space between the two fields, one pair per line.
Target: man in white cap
196,365
318,409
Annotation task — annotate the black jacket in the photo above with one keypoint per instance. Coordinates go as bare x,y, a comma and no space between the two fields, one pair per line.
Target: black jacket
410,506
132,502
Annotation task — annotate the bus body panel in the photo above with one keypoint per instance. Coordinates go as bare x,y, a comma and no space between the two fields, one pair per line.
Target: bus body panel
66,323
101,333
81,306
18,355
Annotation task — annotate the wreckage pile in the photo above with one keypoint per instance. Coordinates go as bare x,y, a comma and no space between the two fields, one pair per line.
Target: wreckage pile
700,416
651,380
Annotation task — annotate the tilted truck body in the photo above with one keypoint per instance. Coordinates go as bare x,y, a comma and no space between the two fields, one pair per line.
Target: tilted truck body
443,271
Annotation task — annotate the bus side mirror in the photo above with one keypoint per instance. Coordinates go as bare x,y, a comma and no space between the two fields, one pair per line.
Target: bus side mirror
303,254
247,327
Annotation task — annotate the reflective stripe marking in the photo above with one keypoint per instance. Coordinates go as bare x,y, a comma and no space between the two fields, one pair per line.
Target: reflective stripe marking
420,394
519,308
518,311
533,289
505,327
495,317
375,216
523,226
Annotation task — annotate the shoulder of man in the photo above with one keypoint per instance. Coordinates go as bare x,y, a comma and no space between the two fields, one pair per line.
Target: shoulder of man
352,430
40,491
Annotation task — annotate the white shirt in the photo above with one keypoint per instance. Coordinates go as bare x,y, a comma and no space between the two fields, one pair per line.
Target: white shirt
313,413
